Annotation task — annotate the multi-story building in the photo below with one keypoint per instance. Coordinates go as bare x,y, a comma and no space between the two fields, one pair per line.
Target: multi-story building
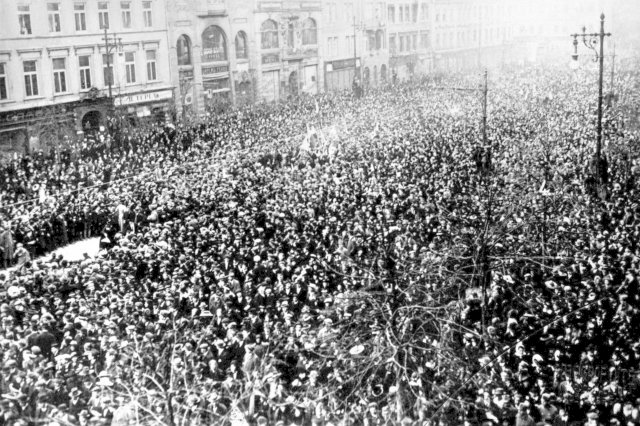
354,43
210,53
470,33
288,57
232,53
410,33
55,68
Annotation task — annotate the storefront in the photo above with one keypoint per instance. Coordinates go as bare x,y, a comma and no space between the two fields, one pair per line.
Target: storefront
244,82
146,106
406,66
310,79
216,86
41,128
338,75
270,78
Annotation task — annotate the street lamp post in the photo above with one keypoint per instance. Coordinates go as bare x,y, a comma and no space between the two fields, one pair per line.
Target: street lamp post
111,43
591,41
356,74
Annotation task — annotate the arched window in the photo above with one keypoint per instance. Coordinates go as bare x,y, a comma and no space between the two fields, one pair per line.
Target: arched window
269,34
379,39
309,32
183,48
214,45
241,45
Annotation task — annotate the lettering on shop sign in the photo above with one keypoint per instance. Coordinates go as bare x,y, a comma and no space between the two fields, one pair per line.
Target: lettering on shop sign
215,70
144,97
345,63
270,59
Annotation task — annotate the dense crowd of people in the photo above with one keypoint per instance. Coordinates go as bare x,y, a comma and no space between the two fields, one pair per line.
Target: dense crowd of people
229,254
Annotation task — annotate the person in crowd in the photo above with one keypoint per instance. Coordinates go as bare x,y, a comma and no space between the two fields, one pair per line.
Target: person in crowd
227,253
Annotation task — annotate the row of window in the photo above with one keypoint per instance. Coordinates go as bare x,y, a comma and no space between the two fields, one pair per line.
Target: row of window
408,42
408,13
60,81
214,41
345,12
79,16
269,38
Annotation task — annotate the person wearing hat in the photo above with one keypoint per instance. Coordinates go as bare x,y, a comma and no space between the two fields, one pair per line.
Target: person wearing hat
522,417
548,411
6,246
21,255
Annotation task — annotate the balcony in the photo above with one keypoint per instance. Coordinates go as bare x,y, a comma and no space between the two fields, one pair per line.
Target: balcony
209,8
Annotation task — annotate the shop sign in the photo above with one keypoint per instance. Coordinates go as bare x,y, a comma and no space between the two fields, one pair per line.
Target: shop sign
271,58
139,98
343,64
215,70
186,74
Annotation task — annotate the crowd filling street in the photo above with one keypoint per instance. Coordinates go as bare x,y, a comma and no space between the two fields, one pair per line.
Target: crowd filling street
229,249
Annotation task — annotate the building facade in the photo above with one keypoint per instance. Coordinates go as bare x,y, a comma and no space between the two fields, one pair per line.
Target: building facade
55,67
410,37
226,53
288,54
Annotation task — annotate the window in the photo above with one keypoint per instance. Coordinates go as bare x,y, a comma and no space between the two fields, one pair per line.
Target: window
415,41
309,32
107,69
54,17
3,83
269,34
59,75
424,12
392,43
424,40
371,40
332,12
241,45
81,23
130,67
407,13
392,13
400,13
291,35
214,46
414,15
146,11
335,50
348,10
24,19
379,39
183,48
151,65
126,14
103,14
85,72
30,78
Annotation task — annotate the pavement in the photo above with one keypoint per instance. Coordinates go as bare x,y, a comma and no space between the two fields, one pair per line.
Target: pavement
77,250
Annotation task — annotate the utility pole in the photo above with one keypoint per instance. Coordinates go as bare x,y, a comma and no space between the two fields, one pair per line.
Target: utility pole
355,47
485,91
591,40
109,45
613,67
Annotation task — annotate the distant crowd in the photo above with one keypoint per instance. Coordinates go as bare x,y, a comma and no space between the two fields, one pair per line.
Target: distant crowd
228,247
